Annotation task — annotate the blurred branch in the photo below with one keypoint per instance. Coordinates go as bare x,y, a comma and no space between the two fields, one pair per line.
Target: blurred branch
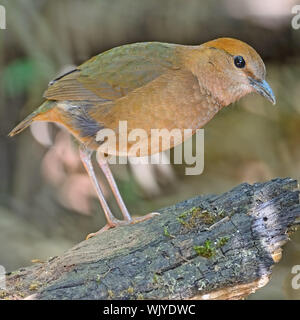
209,247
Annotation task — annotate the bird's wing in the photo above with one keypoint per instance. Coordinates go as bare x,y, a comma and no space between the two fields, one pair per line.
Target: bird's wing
114,73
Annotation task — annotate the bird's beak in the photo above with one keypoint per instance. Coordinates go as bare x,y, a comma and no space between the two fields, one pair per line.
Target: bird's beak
262,87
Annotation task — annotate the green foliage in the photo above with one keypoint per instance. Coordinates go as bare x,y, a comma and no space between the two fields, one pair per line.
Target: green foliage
167,233
206,251
195,215
18,76
221,242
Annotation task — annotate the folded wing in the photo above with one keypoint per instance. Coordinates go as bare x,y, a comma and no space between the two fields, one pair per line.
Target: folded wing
116,72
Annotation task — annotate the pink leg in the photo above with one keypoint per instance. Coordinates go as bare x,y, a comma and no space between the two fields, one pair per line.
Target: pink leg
112,222
108,174
85,156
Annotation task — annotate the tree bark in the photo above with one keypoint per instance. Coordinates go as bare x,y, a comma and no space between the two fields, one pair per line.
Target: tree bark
209,247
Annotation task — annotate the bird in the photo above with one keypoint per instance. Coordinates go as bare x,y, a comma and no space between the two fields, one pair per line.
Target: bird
150,85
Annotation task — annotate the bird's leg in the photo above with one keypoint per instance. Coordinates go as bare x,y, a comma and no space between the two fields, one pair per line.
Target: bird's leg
109,176
85,155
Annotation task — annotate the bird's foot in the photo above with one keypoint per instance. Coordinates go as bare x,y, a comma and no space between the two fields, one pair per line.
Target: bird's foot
112,224
144,218
116,223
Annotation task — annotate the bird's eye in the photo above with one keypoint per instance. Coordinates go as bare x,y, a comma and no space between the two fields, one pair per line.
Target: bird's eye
239,62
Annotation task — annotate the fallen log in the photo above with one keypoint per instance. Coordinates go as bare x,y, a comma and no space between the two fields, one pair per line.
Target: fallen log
209,247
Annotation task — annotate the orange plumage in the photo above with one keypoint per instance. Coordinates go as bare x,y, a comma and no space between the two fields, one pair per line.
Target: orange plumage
151,86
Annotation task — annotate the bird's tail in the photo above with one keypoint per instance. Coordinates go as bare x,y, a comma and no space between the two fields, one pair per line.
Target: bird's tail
35,115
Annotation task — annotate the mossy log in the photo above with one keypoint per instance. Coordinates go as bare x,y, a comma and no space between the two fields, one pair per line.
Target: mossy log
209,247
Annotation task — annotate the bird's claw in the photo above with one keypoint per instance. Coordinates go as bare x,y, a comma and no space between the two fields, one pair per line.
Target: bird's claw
145,217
117,223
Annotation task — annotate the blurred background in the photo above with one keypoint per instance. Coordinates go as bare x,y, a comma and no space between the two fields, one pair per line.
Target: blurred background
47,203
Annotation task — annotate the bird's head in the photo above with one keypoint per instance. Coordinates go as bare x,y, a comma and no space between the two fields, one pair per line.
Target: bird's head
233,69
